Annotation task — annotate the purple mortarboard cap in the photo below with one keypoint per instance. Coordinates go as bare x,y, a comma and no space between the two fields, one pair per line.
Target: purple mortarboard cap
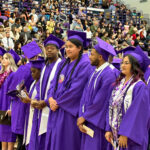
104,49
2,51
15,55
37,64
4,17
139,55
31,50
54,40
116,63
146,60
126,50
81,36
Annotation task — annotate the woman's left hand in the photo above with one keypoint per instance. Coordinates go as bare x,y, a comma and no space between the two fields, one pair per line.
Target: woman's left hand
123,141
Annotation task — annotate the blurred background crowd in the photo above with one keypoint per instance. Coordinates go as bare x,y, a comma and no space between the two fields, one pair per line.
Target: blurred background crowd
24,21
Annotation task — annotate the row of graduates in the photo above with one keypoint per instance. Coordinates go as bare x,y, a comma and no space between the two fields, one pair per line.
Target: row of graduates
75,91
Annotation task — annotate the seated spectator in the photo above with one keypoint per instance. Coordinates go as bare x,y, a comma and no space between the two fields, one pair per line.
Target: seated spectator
77,25
8,42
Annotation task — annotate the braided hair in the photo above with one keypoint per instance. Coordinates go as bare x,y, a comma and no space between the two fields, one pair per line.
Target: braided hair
78,44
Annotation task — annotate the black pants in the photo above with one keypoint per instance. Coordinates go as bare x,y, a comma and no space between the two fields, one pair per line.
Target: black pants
0,145
20,142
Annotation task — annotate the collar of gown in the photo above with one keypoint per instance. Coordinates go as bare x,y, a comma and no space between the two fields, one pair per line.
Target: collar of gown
102,66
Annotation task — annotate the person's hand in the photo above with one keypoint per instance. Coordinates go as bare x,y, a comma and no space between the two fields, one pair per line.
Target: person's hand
109,136
40,104
80,121
8,112
123,141
82,129
53,104
24,100
34,103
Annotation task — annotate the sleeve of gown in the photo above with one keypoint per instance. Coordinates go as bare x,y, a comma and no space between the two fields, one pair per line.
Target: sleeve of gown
135,122
96,113
70,99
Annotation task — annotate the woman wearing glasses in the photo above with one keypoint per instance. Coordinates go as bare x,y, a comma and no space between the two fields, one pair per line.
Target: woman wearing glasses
128,115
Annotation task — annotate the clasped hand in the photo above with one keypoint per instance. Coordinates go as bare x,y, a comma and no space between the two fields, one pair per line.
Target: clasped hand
53,104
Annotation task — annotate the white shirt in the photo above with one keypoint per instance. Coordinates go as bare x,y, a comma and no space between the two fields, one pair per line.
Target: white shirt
88,34
35,17
8,43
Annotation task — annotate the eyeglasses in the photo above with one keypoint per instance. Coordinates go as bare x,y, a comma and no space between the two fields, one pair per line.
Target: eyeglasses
125,63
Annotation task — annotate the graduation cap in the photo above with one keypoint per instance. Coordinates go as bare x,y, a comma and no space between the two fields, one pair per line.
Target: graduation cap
37,64
54,40
104,49
139,55
13,93
31,49
146,60
14,55
126,50
81,36
116,63
2,51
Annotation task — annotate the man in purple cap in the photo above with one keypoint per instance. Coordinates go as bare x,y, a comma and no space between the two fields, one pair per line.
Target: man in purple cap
52,45
23,74
95,98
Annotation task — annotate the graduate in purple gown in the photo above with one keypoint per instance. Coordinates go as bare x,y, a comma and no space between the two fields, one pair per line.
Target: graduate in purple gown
128,114
8,68
52,46
95,97
23,74
65,94
31,124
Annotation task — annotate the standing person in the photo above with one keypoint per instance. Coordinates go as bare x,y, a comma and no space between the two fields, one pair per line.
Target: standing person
129,101
8,68
52,46
31,112
95,97
65,94
23,74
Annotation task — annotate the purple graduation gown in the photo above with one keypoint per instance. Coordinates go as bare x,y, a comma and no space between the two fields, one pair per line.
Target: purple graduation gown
62,130
93,108
34,134
6,134
40,143
135,122
19,108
